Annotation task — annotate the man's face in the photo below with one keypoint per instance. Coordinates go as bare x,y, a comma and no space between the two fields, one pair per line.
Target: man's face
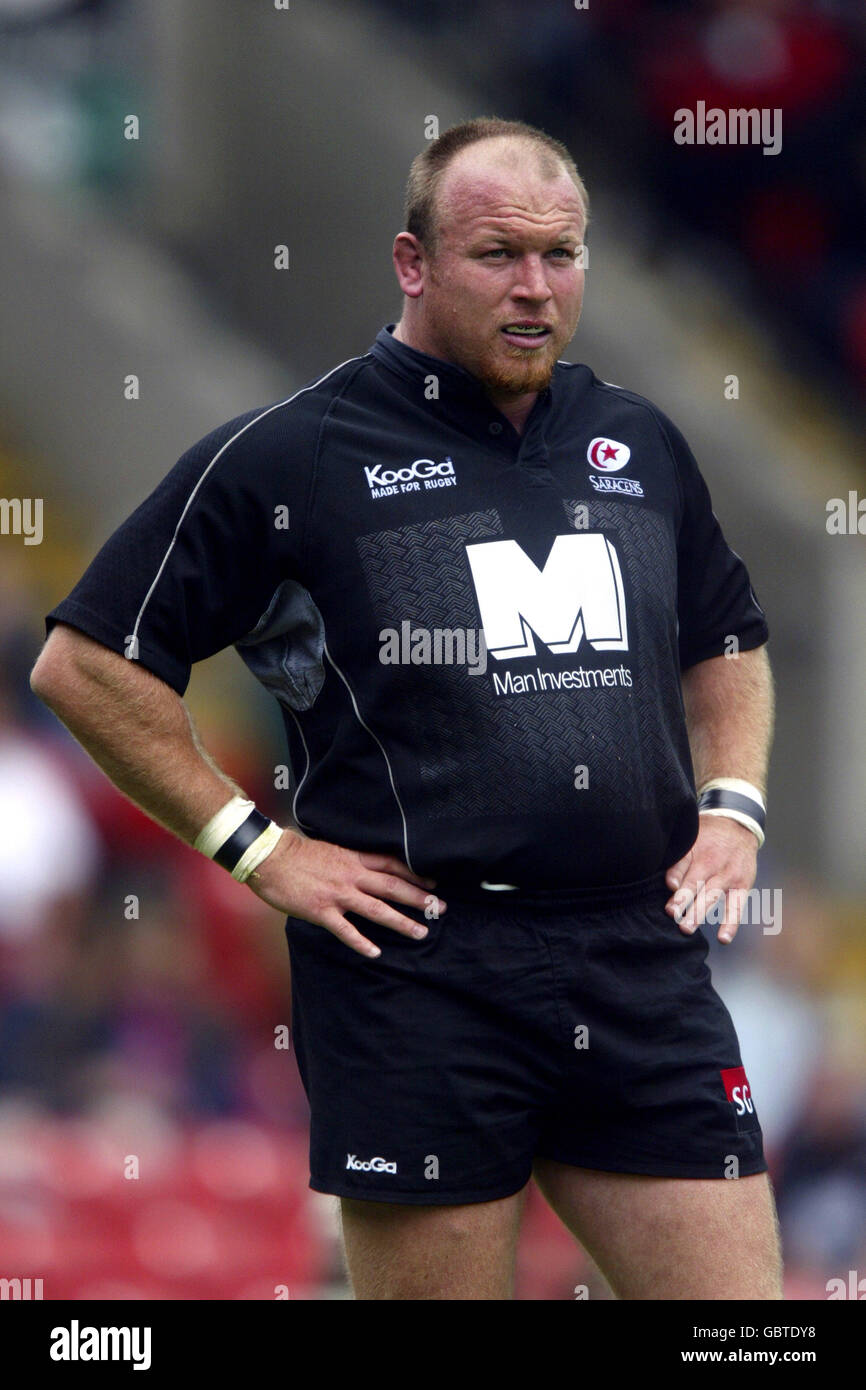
505,261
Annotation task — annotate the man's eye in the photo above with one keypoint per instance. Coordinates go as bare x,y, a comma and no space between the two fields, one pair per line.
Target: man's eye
565,253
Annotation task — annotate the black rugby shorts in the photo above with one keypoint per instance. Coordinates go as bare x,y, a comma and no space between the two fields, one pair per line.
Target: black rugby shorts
577,1026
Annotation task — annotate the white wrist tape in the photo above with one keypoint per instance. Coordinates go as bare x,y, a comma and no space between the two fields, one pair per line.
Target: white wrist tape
238,837
258,851
222,825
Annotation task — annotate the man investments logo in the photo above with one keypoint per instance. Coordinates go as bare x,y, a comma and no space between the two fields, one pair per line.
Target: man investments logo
578,596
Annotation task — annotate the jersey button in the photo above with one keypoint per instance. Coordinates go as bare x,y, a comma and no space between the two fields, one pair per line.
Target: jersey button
494,427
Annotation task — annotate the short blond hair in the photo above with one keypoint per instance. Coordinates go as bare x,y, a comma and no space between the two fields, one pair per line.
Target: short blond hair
425,173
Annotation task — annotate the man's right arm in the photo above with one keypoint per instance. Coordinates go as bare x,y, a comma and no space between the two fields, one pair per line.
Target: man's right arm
140,732
135,727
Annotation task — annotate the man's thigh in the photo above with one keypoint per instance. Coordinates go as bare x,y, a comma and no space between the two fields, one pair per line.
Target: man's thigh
432,1252
671,1238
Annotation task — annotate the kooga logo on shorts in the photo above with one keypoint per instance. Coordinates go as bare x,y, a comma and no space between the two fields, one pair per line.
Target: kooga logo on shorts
372,1165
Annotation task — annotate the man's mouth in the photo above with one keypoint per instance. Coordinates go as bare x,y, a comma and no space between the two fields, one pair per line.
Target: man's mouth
526,332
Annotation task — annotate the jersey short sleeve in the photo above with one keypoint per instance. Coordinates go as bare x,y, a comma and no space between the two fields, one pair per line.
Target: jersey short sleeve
715,597
194,567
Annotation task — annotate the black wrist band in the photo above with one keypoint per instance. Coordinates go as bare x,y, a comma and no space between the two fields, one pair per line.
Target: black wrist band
721,799
229,853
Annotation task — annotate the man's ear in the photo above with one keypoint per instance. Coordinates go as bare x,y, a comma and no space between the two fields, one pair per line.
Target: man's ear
409,264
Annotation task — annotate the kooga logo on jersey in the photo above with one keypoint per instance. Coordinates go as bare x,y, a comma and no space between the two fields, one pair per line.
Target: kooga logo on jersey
371,1165
384,482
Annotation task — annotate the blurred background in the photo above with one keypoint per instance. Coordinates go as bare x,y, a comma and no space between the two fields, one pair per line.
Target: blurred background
153,1129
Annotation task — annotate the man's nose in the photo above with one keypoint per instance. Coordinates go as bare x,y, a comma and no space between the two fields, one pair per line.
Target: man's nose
531,280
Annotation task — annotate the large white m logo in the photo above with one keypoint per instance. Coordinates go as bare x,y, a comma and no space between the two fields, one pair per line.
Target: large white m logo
578,594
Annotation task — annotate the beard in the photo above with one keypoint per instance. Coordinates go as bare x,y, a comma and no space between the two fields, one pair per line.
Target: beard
502,368
517,371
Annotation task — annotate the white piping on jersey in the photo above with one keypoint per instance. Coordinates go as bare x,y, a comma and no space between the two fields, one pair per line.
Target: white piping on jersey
276,406
561,362
384,754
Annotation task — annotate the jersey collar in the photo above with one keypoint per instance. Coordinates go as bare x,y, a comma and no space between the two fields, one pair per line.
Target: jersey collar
458,389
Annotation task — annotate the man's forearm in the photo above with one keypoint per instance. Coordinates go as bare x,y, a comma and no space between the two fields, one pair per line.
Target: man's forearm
136,728
730,705
141,734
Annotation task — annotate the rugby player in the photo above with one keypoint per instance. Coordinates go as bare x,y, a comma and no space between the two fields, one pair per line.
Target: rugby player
500,853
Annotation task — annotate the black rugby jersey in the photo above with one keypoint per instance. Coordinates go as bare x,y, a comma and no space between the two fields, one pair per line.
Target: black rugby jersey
475,636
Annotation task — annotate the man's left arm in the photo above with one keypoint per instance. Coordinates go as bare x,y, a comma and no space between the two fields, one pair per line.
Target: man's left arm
729,705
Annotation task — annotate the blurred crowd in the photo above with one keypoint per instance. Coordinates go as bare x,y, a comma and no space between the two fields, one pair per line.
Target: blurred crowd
786,232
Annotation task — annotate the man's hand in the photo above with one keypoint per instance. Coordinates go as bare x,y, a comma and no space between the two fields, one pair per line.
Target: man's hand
720,864
319,881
